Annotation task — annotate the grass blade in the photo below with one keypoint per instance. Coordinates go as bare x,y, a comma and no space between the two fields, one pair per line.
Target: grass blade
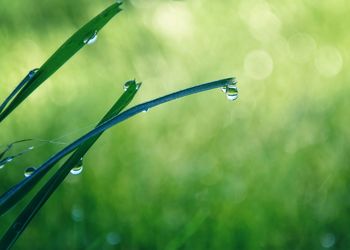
45,192
61,56
18,191
25,80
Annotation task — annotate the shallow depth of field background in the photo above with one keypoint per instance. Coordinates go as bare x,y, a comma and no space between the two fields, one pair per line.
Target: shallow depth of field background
268,171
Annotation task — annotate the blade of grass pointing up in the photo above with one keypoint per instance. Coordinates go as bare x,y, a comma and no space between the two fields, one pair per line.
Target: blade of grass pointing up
45,192
60,57
17,192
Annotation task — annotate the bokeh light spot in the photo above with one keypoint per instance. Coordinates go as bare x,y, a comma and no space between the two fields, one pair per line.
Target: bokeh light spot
329,61
258,64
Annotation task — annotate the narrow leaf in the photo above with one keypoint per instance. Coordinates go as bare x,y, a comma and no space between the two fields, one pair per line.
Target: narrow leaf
45,192
61,56
18,191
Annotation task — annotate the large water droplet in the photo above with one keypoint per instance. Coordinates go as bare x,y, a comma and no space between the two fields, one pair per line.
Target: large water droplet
78,168
91,39
231,90
29,171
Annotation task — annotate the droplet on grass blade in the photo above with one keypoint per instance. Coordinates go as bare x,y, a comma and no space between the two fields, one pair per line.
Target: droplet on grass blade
129,83
32,73
78,168
231,90
91,39
29,171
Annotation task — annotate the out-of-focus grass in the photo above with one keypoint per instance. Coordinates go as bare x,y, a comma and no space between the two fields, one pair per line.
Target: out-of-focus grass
270,170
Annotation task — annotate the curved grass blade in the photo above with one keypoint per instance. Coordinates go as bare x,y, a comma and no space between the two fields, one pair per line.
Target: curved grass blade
45,192
61,56
17,192
9,146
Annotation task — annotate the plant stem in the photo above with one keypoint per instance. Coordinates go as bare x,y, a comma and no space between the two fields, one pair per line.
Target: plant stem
17,192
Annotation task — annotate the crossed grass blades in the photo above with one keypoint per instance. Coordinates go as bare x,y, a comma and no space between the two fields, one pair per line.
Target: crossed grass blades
82,145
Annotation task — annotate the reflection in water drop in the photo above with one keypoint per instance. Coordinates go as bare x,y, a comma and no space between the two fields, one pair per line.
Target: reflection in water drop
231,90
91,39
128,84
29,171
78,168
32,73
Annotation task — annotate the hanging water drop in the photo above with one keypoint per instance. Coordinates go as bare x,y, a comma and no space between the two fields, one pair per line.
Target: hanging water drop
91,39
29,171
78,168
231,90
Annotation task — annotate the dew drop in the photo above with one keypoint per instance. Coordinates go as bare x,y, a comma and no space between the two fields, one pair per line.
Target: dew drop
32,73
231,90
29,171
2,166
78,168
145,110
128,84
9,159
91,39
31,148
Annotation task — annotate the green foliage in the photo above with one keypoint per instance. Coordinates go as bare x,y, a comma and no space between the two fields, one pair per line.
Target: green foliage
61,56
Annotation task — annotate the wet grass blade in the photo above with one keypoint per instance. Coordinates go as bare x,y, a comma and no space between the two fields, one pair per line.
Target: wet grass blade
9,146
61,56
17,192
45,192
25,80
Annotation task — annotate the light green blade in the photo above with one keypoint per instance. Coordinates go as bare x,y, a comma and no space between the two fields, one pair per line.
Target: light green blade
62,55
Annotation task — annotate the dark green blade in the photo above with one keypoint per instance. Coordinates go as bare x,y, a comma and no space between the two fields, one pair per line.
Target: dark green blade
62,55
45,192
18,191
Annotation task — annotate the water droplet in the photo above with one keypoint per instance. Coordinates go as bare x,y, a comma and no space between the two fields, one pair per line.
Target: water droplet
31,148
32,73
231,90
9,159
91,39
128,84
29,171
78,168
146,110
2,166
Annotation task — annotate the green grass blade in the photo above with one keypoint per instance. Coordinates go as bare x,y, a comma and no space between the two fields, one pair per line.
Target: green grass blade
15,194
45,192
18,191
62,55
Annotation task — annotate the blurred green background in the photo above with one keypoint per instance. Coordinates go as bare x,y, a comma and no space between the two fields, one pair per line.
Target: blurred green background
268,171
